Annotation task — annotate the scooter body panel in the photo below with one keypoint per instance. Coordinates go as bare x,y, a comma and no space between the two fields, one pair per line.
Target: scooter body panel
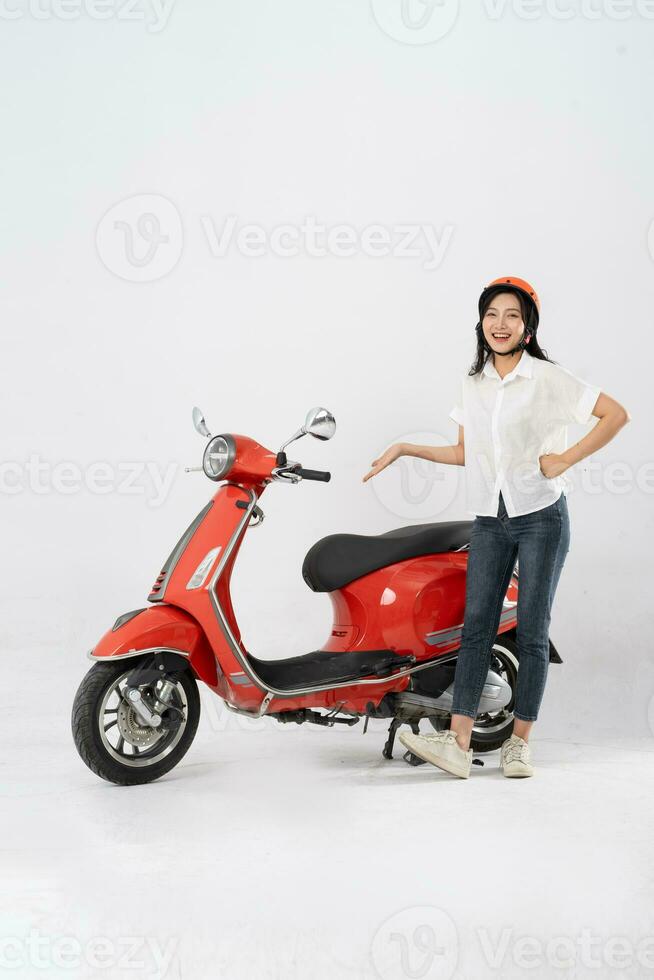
414,607
162,627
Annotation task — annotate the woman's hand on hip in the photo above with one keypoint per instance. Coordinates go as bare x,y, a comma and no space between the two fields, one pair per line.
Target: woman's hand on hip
551,465
391,454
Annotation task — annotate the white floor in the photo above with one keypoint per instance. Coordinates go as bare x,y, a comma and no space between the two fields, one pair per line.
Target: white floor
285,852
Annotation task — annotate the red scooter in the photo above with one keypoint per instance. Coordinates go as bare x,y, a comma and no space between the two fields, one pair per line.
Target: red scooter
398,602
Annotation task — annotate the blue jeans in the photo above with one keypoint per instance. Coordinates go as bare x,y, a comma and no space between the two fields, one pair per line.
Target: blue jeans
540,541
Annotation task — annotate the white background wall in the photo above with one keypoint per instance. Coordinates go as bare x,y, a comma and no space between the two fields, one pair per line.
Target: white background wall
523,143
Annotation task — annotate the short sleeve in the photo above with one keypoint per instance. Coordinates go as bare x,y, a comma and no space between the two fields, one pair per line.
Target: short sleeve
578,397
457,414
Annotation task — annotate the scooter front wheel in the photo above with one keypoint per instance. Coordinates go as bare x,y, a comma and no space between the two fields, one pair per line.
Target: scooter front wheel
113,740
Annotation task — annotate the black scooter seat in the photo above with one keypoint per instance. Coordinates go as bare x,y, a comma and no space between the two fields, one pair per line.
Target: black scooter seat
338,559
327,667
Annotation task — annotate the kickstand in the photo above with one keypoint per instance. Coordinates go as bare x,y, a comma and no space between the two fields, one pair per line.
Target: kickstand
387,751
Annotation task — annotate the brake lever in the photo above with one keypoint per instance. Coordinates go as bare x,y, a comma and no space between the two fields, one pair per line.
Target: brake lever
286,473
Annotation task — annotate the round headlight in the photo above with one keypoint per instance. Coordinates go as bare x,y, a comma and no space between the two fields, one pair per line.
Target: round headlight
219,457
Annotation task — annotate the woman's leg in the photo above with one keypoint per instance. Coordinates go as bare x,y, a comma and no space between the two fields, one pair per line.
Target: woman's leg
543,543
491,560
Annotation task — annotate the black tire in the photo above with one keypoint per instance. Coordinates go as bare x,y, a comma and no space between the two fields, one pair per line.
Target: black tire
488,732
93,744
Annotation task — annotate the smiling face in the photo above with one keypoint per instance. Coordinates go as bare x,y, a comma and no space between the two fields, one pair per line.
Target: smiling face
502,323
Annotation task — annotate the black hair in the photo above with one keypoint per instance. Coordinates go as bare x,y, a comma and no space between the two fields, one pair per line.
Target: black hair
529,318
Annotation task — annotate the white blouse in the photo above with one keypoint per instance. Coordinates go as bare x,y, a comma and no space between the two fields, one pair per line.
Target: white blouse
508,423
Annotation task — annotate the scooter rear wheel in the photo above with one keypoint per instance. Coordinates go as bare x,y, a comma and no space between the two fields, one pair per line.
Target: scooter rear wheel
113,741
491,730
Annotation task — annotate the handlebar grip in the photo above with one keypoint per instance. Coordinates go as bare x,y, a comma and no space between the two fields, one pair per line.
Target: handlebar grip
320,475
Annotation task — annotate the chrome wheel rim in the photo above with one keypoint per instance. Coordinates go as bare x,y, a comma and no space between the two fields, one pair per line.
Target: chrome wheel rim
125,737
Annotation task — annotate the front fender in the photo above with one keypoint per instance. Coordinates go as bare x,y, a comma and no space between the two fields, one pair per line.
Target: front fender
157,629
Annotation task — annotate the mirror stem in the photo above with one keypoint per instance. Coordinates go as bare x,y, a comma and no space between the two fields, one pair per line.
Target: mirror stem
298,435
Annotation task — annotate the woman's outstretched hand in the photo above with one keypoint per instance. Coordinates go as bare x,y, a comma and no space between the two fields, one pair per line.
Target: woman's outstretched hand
391,454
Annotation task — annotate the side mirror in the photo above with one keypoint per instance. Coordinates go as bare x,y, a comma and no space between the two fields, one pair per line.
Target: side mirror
200,424
320,423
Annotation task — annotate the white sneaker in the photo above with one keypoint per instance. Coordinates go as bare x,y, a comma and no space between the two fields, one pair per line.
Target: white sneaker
441,749
515,757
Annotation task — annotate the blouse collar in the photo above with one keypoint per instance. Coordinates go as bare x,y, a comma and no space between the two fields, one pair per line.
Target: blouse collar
524,367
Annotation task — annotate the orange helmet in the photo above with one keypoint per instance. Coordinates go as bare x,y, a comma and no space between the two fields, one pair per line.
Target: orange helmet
516,283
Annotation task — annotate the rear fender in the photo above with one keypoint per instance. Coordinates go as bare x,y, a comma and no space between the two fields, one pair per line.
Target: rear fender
160,629
554,655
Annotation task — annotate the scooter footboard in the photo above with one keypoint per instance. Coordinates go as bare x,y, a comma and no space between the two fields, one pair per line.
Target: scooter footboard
159,629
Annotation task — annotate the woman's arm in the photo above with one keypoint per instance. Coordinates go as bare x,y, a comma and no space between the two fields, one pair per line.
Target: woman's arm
612,416
455,455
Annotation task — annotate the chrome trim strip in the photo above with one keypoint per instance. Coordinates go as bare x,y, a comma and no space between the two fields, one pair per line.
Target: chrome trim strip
451,633
138,653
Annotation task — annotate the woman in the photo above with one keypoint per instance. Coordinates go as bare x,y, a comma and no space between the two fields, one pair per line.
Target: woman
516,404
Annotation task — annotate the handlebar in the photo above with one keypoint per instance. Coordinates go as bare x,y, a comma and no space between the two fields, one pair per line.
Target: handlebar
319,475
